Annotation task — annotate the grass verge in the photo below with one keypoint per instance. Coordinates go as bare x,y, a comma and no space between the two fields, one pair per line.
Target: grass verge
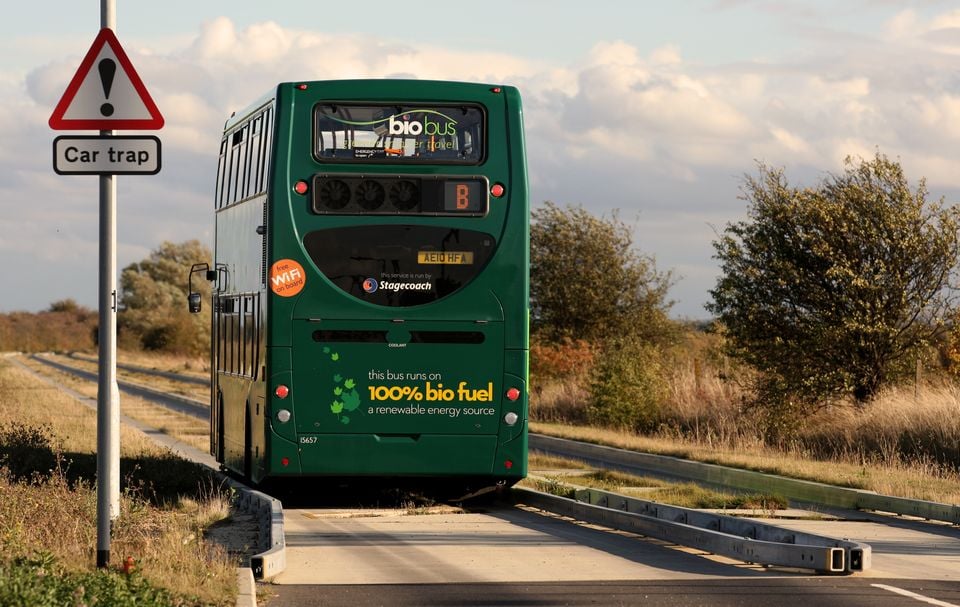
48,511
686,495
186,429
916,480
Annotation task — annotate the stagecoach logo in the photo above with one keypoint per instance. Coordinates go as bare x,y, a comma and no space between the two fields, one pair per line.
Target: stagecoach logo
371,285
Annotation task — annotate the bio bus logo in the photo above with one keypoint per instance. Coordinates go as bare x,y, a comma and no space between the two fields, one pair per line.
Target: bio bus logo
370,285
427,127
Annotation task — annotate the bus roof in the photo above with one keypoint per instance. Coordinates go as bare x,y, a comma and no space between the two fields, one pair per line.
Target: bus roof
465,88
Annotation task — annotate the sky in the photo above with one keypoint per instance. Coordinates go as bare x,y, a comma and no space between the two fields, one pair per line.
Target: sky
654,110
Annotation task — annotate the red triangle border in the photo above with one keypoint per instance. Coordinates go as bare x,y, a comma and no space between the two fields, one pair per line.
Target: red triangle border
57,120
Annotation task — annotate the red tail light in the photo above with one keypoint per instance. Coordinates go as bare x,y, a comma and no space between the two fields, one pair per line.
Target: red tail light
282,391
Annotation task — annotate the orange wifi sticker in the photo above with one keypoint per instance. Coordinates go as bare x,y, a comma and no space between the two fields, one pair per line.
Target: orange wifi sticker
287,278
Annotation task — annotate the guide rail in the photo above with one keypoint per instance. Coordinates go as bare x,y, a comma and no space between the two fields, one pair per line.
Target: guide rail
746,540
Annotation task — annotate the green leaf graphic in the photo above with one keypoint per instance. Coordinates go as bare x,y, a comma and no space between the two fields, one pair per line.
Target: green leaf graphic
326,350
336,407
351,400
338,378
345,420
349,384
334,357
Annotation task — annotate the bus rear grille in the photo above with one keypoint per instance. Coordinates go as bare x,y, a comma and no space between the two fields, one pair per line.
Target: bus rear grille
416,337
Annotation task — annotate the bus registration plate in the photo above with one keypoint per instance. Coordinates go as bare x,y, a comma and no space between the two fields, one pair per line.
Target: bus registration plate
445,257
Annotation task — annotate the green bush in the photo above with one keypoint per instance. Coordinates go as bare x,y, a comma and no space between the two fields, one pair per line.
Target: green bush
627,386
39,582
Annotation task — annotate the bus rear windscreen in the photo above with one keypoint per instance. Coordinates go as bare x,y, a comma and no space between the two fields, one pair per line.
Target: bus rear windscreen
399,133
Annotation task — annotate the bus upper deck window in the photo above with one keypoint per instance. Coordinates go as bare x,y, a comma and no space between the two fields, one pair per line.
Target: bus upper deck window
426,134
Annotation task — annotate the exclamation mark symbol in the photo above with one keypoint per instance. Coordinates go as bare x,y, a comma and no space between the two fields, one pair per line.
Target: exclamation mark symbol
107,68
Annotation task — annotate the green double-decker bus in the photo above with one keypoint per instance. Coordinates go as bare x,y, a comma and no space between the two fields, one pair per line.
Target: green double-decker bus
370,303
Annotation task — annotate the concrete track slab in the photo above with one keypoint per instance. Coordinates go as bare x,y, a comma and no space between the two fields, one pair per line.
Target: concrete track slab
502,545
902,549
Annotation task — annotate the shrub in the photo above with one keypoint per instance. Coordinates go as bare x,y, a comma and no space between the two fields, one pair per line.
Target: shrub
627,386
26,451
65,326
559,360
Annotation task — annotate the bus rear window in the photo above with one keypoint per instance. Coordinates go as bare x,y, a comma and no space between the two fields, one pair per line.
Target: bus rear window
346,132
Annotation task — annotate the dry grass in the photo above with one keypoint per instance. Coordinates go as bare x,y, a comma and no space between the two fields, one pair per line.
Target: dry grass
195,366
904,425
919,482
905,443
685,495
562,401
198,366
704,401
541,461
55,512
171,386
186,429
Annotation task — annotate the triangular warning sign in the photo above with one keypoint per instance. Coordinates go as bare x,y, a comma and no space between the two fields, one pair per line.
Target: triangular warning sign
106,93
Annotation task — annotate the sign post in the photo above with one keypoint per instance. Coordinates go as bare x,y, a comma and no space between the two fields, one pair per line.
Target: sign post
106,94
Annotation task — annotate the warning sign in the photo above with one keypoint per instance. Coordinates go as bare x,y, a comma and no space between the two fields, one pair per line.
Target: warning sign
287,278
111,155
106,93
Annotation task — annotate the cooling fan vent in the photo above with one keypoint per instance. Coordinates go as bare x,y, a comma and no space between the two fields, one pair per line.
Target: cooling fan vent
404,195
334,194
370,195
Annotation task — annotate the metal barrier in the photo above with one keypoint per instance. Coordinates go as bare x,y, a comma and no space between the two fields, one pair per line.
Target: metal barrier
273,559
745,540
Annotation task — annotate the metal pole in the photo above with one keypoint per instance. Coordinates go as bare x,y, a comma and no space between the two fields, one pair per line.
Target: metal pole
108,394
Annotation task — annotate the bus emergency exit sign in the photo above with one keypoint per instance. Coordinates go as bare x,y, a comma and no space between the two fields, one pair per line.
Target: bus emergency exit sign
106,155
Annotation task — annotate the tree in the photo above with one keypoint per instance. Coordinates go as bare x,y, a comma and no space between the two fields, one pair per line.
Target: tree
588,282
830,291
154,297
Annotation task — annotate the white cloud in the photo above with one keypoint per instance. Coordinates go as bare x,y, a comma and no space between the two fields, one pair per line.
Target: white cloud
940,33
619,128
